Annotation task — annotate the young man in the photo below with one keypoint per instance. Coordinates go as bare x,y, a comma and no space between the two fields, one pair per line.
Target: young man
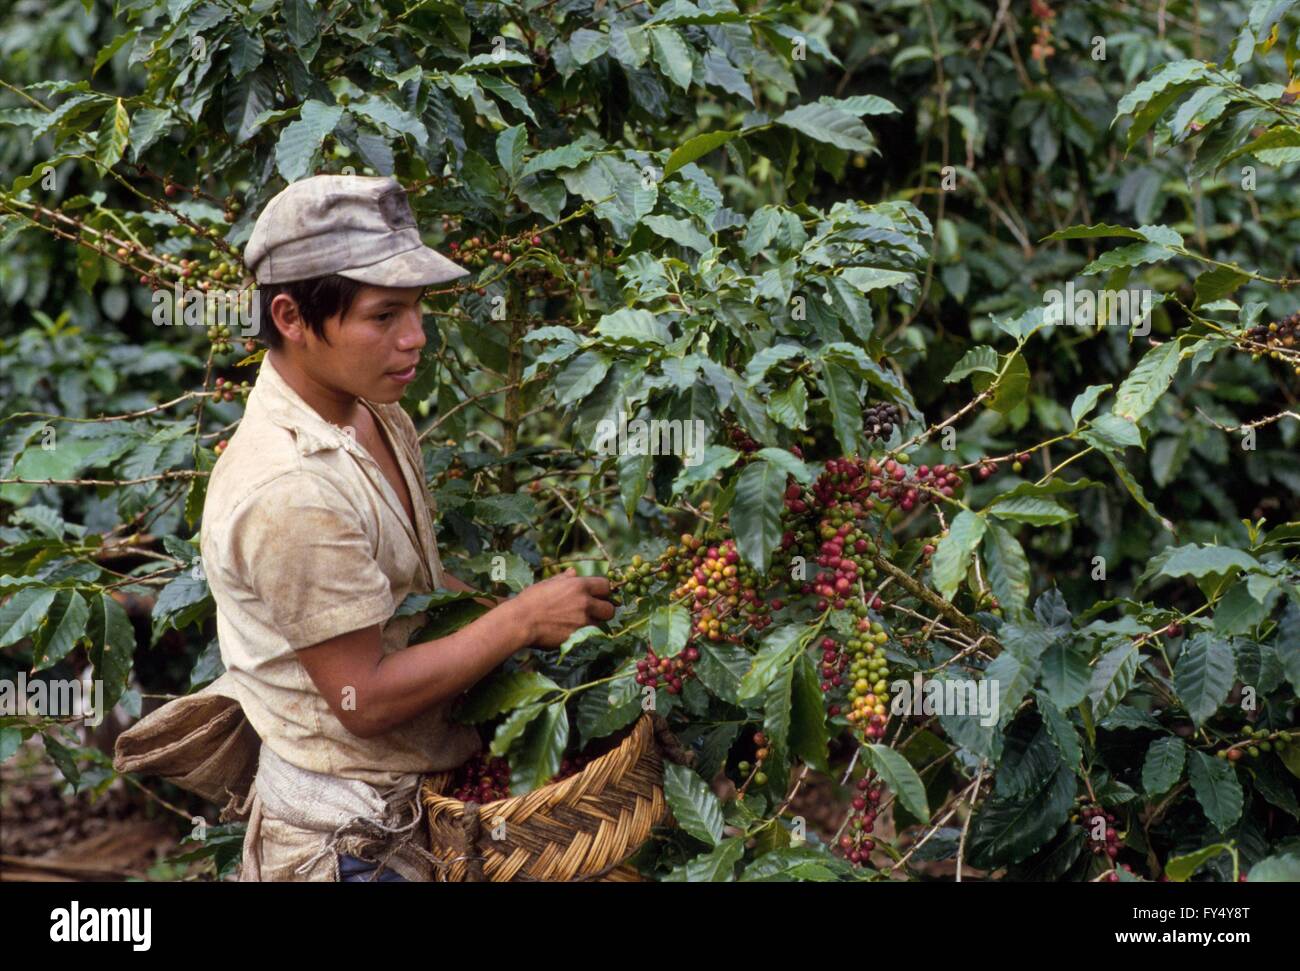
317,525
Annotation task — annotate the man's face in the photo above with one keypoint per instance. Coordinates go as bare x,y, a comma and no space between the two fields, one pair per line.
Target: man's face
373,348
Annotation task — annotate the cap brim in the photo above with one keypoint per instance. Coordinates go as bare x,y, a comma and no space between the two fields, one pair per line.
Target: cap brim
418,267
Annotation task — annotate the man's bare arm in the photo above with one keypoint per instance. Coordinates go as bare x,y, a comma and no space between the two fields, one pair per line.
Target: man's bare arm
389,689
457,585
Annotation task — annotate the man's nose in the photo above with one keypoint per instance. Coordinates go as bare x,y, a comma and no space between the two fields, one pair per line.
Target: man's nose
413,337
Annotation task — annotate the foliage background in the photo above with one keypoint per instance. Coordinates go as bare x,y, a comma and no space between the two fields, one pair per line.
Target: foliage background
586,96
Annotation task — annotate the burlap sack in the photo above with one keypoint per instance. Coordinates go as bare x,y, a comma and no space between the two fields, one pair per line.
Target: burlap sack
202,743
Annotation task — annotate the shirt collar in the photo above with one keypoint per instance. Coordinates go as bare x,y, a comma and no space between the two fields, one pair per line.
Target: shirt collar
285,407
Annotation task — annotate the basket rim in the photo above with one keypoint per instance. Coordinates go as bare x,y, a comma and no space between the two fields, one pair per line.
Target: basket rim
640,736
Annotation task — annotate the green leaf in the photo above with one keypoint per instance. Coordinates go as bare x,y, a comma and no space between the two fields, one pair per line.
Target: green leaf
514,725
1112,677
756,515
580,377
1008,570
1111,433
841,390
300,141
300,23
721,668
147,126
776,650
1032,510
694,806
1179,868
1086,401
23,612
1062,731
1202,561
1010,830
1214,781
11,739
1065,675
696,148
1276,869
1204,676
637,327
1215,284
952,557
809,738
65,626
63,758
716,866
587,45
114,135
673,55
669,629
830,125
899,775
543,748
112,646
1147,382
980,358
513,689
1163,765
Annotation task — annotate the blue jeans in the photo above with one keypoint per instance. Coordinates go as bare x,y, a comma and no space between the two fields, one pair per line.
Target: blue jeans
354,870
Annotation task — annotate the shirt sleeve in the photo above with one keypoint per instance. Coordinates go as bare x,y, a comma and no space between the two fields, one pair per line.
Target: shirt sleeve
306,557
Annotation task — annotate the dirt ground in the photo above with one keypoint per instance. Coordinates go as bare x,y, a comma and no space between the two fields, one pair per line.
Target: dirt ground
49,833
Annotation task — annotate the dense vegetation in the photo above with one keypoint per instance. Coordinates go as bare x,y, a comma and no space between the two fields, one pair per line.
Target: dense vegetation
831,234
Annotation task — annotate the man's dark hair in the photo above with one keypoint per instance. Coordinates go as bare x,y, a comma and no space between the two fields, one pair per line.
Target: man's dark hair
318,299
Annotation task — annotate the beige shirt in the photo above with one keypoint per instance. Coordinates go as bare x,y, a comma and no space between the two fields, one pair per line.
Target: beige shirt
304,539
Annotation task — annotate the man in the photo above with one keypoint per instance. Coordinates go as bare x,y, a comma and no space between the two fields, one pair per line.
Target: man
315,528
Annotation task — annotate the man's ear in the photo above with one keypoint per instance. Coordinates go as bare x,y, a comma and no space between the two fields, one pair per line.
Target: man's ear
286,317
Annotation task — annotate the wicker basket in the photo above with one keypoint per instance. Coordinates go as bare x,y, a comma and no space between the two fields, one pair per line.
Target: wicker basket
580,828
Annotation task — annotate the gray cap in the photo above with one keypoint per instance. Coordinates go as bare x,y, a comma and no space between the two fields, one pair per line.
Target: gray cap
357,226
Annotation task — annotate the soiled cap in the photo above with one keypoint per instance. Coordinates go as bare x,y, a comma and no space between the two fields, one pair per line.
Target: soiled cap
357,226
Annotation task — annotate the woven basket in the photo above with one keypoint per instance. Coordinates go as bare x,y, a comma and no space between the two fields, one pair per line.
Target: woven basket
580,828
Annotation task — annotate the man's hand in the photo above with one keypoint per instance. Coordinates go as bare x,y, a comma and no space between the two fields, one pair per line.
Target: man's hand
555,608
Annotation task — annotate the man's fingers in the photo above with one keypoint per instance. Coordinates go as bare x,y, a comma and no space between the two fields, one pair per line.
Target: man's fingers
600,609
598,586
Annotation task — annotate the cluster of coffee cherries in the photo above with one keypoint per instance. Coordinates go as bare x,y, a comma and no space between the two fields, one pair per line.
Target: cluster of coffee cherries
1091,817
722,590
880,420
1279,336
220,336
893,482
477,252
868,676
857,844
987,467
741,440
1254,742
844,554
225,389
482,780
637,577
761,752
1042,48
669,673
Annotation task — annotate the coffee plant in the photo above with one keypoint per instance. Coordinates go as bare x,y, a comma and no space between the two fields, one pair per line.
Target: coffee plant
1009,569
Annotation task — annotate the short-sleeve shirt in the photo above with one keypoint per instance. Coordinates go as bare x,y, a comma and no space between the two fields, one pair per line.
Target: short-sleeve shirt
303,539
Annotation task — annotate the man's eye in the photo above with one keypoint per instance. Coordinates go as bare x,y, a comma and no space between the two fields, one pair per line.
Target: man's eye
386,316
